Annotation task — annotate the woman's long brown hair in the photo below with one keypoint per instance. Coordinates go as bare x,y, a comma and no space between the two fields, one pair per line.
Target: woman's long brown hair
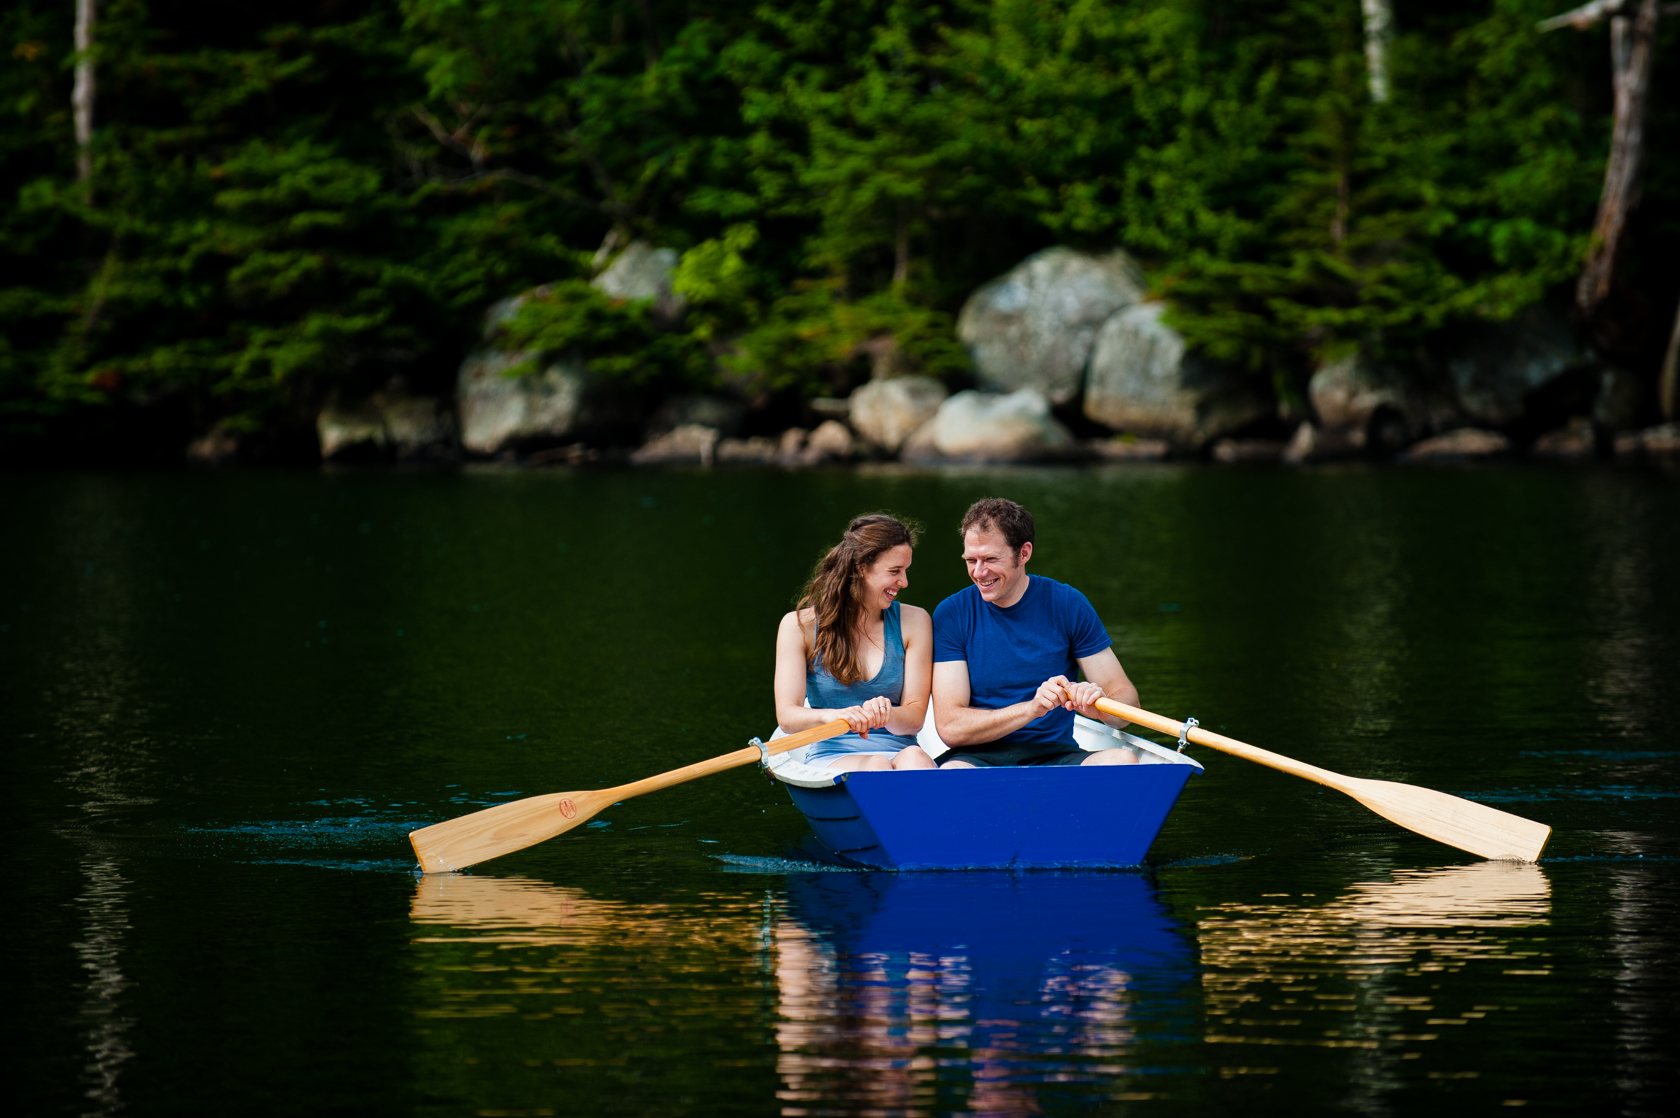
835,590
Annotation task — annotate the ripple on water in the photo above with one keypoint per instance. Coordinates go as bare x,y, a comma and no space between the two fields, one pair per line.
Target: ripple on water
1602,792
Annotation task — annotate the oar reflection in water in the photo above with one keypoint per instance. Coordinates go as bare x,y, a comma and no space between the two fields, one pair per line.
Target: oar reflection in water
897,990
539,998
1360,970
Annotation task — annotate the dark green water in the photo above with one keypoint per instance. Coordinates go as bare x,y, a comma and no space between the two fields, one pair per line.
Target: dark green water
229,696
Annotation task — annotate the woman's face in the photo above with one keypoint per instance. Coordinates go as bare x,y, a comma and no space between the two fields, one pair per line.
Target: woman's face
884,578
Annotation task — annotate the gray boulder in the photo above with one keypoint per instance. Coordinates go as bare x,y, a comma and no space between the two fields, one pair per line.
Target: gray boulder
757,450
830,442
1366,406
557,404
1248,451
1466,442
1575,439
1143,380
1312,443
1652,442
986,427
350,430
724,415
887,412
643,273
386,424
1034,326
417,426
216,446
692,442
830,407
1496,367
501,312
1128,448
887,358
1619,404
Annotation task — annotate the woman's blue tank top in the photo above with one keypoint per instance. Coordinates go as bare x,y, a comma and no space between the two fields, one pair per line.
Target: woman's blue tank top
822,690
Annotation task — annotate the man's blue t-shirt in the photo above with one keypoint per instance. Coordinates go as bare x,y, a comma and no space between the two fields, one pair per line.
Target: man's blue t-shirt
1011,651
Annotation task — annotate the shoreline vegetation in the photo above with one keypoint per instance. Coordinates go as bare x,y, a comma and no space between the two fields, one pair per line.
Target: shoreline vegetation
657,232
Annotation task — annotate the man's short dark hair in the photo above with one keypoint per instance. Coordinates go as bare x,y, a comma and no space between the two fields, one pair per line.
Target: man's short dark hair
1009,520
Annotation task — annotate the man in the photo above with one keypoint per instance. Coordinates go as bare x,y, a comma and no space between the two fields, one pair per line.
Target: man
1005,651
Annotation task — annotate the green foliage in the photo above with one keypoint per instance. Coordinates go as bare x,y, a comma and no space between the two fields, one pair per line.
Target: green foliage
721,286
289,201
815,343
616,337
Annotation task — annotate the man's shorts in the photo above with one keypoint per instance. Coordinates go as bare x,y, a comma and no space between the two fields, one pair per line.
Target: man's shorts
1010,754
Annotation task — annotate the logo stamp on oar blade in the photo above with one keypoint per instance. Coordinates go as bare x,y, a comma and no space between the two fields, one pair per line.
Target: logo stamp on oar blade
568,809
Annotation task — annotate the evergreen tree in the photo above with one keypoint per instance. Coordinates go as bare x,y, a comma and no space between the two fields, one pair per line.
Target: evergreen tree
274,204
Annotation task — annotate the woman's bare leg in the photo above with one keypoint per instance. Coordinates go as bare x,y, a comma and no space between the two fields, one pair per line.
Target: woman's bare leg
913,757
861,762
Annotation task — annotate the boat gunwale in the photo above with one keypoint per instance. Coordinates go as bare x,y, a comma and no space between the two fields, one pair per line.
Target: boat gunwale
789,770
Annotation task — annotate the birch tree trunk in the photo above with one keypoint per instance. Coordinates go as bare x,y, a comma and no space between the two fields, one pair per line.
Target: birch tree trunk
83,93
1632,43
1379,30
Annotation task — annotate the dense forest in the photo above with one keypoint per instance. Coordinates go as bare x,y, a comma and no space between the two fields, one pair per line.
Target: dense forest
223,214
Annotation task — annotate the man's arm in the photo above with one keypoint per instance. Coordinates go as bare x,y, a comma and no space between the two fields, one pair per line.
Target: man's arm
1103,673
960,724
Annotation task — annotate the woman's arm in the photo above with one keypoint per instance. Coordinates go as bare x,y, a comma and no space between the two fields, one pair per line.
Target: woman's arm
908,717
792,714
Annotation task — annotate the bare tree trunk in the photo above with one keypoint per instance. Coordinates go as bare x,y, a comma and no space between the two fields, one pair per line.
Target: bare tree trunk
1379,30
82,94
1344,188
901,248
650,34
1668,388
1631,46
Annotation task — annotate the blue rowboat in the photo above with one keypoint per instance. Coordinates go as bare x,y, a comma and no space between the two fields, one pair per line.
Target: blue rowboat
1102,816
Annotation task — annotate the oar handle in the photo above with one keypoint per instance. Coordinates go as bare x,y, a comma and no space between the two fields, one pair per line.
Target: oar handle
1221,742
731,760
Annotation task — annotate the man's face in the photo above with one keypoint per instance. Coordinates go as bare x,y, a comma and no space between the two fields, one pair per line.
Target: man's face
996,570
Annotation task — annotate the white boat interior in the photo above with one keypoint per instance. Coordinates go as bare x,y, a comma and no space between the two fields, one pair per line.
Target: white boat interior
1088,734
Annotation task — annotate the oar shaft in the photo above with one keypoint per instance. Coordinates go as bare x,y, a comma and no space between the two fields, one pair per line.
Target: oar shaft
458,843
1222,743
729,760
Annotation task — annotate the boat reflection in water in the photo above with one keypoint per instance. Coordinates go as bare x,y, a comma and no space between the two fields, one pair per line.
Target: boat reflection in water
903,993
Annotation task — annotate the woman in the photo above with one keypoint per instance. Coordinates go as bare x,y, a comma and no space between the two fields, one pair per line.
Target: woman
857,653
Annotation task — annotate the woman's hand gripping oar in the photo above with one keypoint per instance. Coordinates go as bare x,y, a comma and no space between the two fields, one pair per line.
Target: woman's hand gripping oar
456,844
1450,819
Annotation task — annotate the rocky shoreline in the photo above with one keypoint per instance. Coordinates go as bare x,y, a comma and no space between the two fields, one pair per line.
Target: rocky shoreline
1073,361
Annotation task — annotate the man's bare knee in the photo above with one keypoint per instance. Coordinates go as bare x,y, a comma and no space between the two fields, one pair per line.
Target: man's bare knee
958,765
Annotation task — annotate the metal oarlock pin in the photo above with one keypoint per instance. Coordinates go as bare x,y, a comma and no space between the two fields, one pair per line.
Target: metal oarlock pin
763,759
1184,733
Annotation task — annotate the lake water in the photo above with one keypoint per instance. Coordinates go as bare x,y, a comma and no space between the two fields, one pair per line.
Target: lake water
229,696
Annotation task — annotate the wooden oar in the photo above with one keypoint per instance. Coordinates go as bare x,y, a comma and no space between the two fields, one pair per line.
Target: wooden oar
1450,819
456,844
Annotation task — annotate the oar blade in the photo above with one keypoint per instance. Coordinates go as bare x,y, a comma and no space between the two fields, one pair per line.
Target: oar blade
1454,820
456,844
